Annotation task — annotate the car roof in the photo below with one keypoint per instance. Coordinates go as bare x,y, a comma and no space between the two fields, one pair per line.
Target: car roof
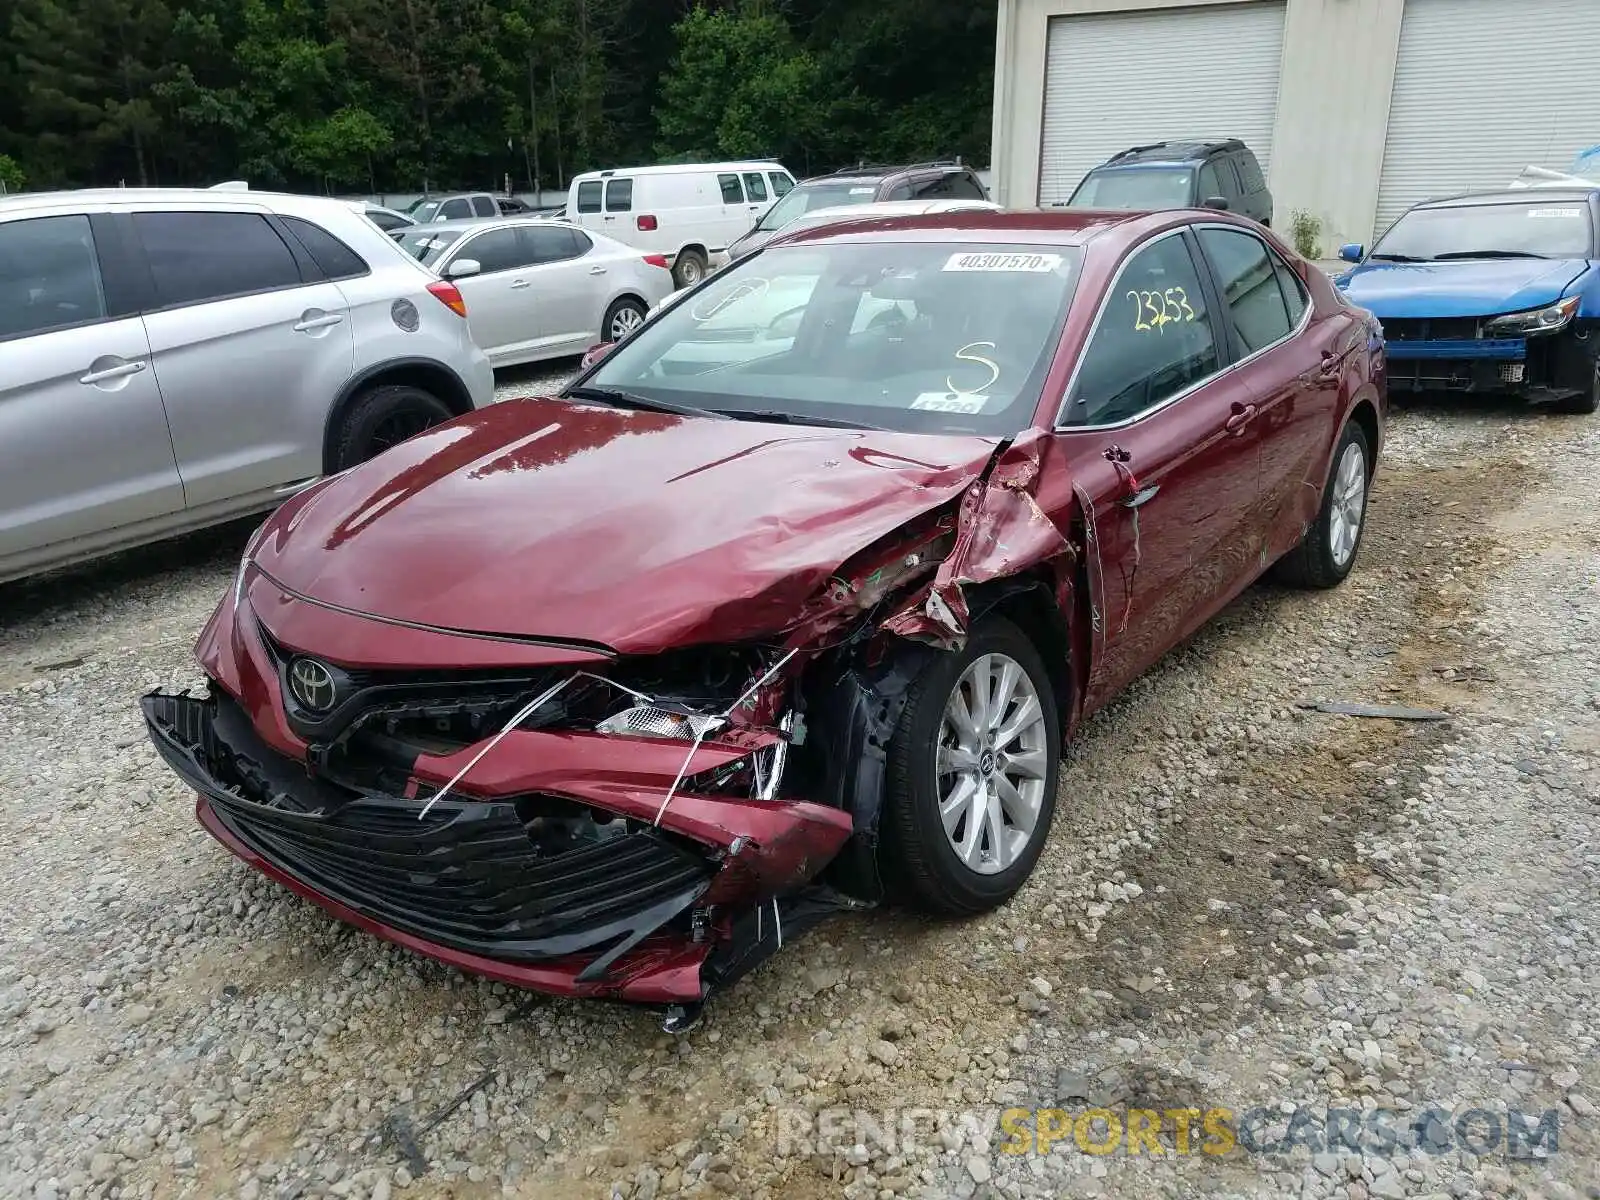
1543,195
1064,227
230,198
881,171
751,164
1192,150
894,208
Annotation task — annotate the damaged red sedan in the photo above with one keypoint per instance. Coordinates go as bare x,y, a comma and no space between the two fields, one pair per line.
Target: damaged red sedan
787,604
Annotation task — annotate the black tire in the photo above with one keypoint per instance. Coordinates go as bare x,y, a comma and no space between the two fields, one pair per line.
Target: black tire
614,314
920,865
1312,564
1583,403
386,416
689,268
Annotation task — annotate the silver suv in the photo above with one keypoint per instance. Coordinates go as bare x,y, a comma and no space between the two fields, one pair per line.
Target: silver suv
174,359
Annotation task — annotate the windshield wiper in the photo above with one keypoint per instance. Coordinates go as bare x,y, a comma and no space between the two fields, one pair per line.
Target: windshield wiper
1488,254
789,418
620,399
1395,258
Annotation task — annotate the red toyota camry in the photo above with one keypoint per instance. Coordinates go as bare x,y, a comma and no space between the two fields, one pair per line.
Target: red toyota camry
787,604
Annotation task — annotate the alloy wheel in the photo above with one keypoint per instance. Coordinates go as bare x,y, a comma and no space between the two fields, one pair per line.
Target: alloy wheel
992,760
1349,504
624,321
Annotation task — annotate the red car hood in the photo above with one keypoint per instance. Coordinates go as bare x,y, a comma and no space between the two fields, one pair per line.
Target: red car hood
635,530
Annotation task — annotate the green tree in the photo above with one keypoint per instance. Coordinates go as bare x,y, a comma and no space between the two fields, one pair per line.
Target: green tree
11,176
739,86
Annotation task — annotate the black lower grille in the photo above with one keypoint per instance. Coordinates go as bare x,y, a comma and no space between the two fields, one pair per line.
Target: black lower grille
1409,329
527,879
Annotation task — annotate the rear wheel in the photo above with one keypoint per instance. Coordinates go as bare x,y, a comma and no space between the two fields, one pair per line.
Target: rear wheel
972,775
689,268
1328,551
383,417
622,319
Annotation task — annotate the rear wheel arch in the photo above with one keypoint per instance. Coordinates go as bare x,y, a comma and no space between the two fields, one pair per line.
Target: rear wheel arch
429,375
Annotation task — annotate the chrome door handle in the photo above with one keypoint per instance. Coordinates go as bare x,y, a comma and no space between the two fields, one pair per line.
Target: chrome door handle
120,371
519,283
597,270
305,324
1243,414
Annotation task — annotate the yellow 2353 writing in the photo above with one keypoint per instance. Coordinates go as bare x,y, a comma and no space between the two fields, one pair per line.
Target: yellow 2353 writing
1157,310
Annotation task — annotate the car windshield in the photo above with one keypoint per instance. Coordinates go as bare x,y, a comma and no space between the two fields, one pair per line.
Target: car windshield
426,245
423,210
1533,228
919,337
1134,188
809,196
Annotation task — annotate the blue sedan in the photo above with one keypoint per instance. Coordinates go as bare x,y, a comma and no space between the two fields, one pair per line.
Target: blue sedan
1494,292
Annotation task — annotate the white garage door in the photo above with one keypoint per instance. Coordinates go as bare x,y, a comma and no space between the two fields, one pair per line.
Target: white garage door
1483,88
1116,80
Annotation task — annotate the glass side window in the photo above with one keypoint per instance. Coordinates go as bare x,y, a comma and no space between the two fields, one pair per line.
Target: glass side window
619,195
196,256
1245,272
1154,338
496,250
732,189
49,275
589,196
782,185
756,186
548,245
455,210
1211,181
336,260
484,206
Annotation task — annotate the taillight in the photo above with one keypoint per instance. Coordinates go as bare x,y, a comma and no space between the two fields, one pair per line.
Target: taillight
450,296
658,260
646,222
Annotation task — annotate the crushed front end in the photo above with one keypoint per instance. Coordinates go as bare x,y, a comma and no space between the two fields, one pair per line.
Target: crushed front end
565,820
1543,354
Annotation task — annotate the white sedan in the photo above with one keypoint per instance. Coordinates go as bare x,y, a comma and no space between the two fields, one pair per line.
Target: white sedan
537,289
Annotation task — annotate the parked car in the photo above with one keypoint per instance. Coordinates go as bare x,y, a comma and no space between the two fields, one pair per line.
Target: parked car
1223,174
461,207
689,212
386,219
1490,292
174,359
863,185
593,694
539,289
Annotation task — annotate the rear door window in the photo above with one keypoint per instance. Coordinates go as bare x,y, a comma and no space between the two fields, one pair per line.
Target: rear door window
1248,278
1211,181
552,243
198,256
732,189
333,257
455,210
49,276
484,206
756,186
619,195
589,196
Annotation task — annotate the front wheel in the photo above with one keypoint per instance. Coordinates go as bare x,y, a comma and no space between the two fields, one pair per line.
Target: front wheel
1584,402
1328,551
972,775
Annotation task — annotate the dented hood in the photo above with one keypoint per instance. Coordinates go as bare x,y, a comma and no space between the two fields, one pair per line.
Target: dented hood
635,530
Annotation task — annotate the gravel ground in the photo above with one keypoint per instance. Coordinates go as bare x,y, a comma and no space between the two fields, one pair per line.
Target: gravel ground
1244,905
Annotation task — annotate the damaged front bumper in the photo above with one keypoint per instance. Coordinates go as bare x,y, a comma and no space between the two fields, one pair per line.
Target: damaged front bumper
1453,356
573,890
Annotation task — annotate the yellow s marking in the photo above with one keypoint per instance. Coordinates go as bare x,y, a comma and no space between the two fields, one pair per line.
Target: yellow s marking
964,356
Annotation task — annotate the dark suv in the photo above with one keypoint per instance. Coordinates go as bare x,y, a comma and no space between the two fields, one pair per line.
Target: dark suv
1221,174
863,185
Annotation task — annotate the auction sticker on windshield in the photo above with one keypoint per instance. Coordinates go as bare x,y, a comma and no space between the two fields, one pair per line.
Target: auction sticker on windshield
1560,214
950,402
1032,263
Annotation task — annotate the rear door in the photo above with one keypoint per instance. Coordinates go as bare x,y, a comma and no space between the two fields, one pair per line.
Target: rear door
735,208
589,203
755,187
82,427
244,332
1291,363
572,281
1159,432
617,220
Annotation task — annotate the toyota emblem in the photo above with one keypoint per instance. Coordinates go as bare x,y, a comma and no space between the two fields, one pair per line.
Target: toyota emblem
312,684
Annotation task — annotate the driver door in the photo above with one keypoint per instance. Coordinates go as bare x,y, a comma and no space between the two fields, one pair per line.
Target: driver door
1159,434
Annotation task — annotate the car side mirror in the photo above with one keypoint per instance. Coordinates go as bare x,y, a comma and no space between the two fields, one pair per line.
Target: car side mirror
595,353
462,267
1353,252
1220,203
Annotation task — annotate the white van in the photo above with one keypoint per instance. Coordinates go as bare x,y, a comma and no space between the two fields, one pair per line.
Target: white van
690,212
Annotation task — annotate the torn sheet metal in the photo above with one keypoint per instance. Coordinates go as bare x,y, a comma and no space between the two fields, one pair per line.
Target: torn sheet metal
1392,712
